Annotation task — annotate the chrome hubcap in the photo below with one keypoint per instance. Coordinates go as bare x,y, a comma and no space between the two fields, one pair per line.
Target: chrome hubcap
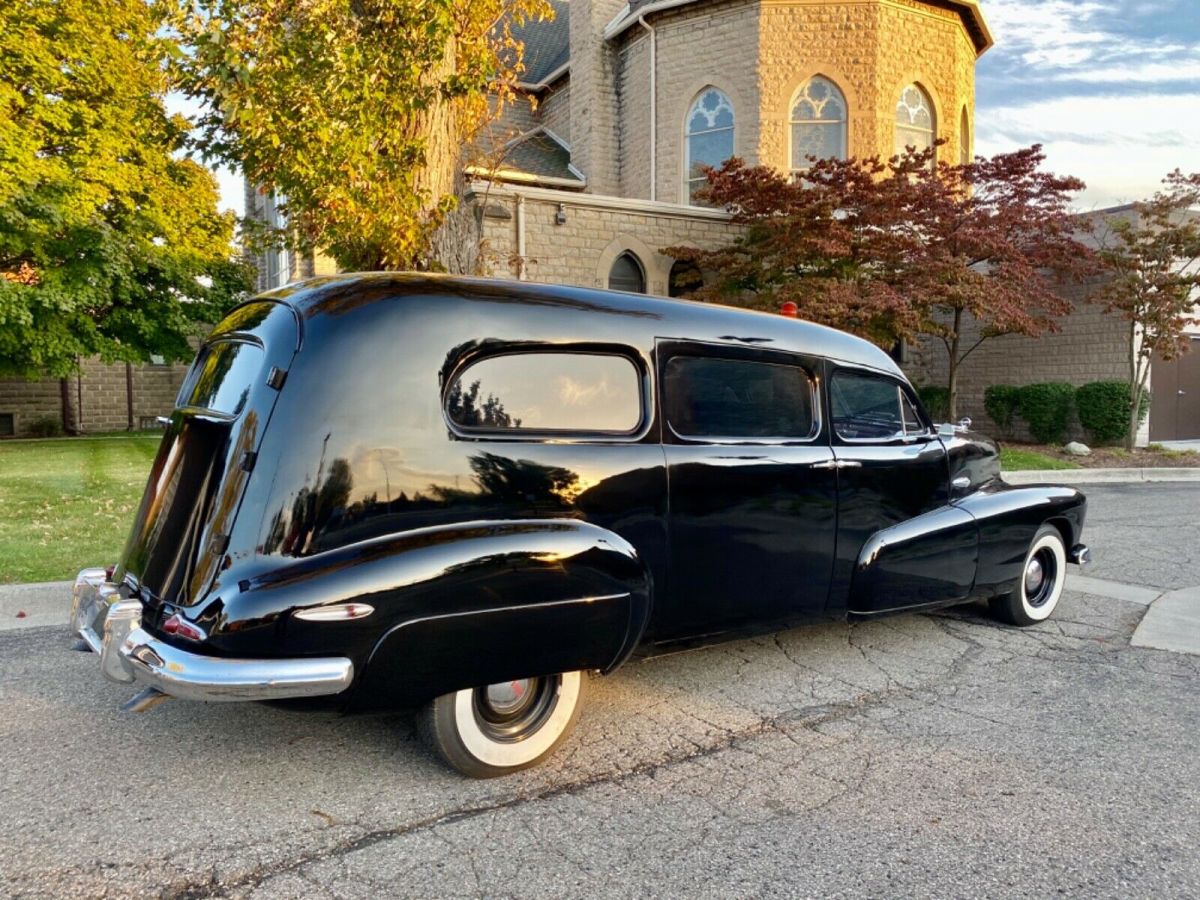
513,710
508,696
1035,574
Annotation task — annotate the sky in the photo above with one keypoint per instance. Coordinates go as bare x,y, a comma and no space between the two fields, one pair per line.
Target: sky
1111,88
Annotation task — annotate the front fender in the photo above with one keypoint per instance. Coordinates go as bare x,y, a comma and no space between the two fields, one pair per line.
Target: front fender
1008,517
454,606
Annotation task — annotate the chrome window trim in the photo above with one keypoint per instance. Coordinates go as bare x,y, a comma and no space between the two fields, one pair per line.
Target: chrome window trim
642,371
901,437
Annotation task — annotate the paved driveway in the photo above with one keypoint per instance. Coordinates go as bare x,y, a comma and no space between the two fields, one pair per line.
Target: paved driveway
913,755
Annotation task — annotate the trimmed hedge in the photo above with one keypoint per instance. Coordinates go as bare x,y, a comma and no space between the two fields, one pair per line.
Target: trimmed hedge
1104,410
1002,403
1046,407
936,400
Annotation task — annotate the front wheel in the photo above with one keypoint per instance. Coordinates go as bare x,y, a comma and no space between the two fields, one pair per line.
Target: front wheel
502,728
1041,582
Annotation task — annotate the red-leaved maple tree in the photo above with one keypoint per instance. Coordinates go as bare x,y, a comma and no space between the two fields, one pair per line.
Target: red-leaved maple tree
1153,259
897,248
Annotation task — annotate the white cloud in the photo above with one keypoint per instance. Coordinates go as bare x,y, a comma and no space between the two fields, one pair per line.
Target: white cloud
1121,145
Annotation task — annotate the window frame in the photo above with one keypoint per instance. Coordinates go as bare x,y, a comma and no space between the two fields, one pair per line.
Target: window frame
904,392
637,263
669,349
933,119
843,122
688,134
559,435
188,386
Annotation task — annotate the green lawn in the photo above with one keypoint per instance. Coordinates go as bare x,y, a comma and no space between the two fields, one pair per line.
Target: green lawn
1012,459
68,503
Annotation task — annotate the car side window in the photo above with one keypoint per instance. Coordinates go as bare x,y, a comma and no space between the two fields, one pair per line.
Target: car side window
584,393
871,408
713,397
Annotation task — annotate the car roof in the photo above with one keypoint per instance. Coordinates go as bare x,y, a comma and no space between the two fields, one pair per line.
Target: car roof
675,318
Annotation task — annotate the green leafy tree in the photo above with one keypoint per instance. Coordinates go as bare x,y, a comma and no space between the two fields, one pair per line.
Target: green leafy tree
110,239
355,113
1153,257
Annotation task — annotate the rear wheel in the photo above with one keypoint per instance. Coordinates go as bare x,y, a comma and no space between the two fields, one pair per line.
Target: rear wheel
1041,584
505,727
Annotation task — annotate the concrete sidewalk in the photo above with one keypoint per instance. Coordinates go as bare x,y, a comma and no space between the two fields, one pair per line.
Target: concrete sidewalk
46,603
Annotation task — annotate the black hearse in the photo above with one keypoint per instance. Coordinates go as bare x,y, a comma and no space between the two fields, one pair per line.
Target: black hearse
470,494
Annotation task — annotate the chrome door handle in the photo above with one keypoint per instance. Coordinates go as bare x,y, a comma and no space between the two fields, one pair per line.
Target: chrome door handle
837,464
962,481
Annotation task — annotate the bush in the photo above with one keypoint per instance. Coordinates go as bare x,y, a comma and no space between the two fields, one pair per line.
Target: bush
936,400
1104,410
1046,407
45,427
1002,402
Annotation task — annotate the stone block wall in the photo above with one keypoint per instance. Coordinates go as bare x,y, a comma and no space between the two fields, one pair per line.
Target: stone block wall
594,95
698,46
554,110
29,401
98,397
582,250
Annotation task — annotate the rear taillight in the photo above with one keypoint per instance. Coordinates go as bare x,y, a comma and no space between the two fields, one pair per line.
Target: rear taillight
181,627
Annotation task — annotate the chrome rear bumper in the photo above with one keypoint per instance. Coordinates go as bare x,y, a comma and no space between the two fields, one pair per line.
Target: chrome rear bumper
112,628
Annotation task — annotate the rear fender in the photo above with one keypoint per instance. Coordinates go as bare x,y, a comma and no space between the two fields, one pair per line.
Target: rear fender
455,606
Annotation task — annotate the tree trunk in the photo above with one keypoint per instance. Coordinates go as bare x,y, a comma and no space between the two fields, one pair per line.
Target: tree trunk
952,383
1131,435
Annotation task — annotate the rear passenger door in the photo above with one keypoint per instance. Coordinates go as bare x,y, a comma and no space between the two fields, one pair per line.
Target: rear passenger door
751,486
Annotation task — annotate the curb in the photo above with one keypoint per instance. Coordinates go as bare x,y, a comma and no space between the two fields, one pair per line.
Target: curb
47,603
1102,476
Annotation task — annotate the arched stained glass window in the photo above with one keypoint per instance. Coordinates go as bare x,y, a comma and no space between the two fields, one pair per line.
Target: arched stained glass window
915,123
708,136
819,123
964,138
627,274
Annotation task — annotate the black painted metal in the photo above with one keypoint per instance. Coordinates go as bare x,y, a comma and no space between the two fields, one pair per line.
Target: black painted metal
488,554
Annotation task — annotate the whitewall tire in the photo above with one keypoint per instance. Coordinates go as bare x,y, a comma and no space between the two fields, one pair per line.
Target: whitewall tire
1040,585
502,728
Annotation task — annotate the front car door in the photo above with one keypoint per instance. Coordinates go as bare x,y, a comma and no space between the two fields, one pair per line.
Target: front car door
752,489
900,544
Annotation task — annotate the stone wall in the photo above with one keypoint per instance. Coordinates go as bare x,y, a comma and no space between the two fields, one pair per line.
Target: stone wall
597,230
98,397
554,110
698,46
593,95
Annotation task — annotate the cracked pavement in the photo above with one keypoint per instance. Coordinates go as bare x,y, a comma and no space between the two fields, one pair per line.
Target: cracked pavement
916,754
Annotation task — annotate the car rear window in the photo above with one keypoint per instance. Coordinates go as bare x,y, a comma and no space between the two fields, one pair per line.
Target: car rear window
710,397
221,377
548,392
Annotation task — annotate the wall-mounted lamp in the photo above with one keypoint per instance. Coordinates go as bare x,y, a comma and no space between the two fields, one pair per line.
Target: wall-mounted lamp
560,217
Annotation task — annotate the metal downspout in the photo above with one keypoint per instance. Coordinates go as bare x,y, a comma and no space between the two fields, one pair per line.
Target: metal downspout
653,107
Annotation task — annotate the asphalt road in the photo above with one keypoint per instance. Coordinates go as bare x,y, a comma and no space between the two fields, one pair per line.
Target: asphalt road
915,755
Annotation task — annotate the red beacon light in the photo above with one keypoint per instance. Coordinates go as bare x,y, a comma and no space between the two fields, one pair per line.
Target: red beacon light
789,308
